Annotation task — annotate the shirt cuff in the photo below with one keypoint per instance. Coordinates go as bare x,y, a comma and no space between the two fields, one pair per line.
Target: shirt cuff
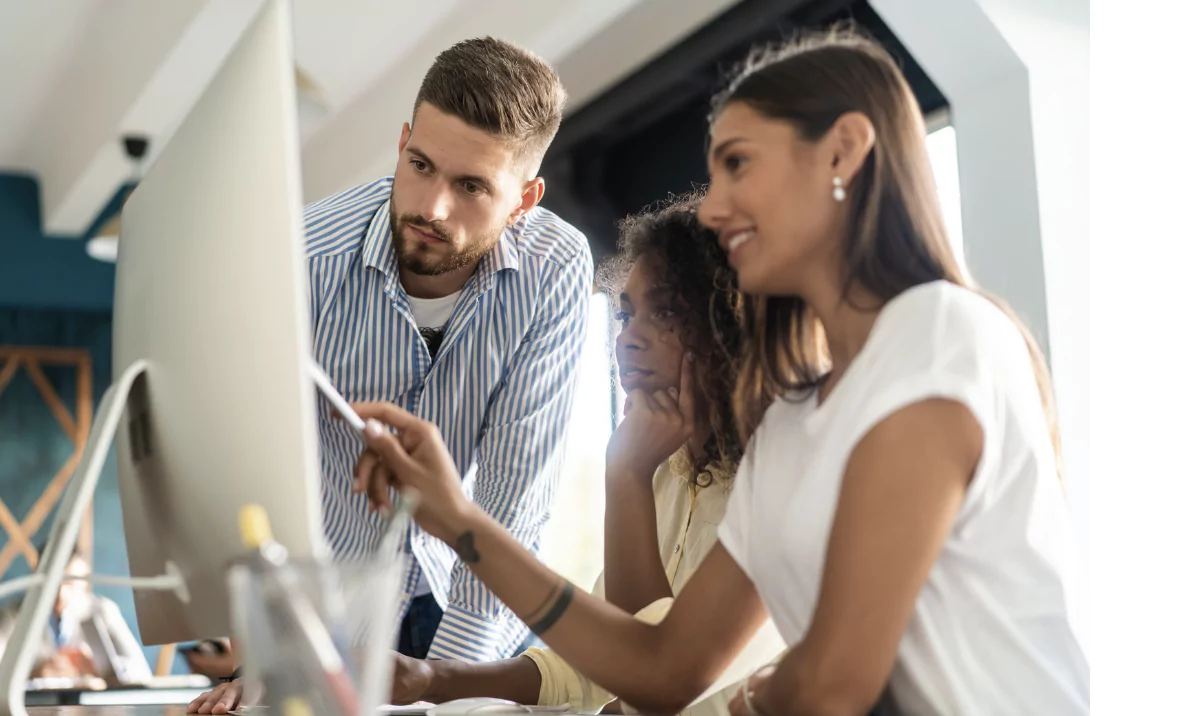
561,685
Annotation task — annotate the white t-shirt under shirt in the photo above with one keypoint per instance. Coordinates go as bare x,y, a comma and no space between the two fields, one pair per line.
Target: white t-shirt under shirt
991,632
431,314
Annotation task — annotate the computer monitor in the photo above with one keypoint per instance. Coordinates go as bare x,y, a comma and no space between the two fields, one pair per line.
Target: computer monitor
211,291
211,335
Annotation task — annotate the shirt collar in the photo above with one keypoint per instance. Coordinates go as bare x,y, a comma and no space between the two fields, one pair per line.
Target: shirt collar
378,252
681,465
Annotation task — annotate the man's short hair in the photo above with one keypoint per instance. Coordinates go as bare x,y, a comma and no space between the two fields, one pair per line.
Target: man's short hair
499,88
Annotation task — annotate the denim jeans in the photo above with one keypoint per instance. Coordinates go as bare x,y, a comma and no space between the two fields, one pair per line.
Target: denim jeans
529,641
419,626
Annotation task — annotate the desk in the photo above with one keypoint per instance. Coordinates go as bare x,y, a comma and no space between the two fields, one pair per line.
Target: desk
107,711
175,690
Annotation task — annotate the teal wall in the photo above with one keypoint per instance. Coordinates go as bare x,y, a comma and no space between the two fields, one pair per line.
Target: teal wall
53,294
39,271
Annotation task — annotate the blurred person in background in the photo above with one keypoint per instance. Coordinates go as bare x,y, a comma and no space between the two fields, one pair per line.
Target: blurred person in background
87,642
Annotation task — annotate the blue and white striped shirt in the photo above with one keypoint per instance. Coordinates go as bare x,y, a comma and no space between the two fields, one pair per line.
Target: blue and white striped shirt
500,388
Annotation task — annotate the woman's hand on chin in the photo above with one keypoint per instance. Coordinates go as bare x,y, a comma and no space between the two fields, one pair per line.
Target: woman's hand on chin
656,425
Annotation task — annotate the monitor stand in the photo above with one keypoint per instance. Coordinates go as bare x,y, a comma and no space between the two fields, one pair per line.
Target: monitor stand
25,641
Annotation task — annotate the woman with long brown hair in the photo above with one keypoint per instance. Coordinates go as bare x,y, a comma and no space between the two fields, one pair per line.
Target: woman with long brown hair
898,512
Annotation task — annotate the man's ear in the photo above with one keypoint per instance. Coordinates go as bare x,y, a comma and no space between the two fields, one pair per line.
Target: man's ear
405,133
533,192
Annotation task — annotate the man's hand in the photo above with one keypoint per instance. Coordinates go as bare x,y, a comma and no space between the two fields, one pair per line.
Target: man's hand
222,699
655,426
212,666
411,679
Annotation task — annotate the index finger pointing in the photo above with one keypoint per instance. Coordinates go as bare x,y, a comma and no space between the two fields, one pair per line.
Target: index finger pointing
391,415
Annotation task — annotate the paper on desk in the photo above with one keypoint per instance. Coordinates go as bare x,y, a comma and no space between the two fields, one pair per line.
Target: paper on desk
417,709
413,710
422,709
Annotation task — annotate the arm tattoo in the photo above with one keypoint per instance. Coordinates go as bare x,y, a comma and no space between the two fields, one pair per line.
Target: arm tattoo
555,613
465,548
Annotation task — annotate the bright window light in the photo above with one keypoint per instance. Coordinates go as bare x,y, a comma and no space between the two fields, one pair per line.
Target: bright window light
942,150
572,539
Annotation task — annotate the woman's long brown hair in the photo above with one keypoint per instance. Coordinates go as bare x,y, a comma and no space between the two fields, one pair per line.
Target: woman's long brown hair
896,236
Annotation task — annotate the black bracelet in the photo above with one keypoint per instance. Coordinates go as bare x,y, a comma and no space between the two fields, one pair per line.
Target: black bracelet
234,675
549,619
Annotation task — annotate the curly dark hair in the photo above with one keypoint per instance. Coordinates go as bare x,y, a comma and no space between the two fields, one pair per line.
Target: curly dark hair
708,305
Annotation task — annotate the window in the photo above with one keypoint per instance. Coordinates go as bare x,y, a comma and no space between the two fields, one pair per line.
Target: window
572,539
942,150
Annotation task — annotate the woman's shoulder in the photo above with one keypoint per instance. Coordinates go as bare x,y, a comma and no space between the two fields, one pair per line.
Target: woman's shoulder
945,306
942,321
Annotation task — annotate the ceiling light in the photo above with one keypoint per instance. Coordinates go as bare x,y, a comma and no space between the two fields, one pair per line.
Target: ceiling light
103,248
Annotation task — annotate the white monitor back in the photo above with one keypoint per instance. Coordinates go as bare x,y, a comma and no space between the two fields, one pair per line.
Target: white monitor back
211,292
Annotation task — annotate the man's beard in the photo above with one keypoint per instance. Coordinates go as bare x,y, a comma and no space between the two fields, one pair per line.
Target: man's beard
419,259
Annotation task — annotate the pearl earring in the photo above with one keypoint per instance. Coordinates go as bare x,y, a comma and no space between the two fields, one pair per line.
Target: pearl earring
839,191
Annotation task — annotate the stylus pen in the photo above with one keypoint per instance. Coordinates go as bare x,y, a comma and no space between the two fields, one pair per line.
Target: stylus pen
339,403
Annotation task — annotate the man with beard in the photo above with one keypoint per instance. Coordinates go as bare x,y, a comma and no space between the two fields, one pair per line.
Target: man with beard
448,290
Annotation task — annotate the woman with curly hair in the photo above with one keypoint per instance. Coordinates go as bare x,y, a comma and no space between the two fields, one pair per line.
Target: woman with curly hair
670,464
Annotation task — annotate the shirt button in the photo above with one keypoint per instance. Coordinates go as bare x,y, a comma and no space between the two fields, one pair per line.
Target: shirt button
676,549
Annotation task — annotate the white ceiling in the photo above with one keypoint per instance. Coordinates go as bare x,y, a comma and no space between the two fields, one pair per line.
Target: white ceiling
89,71
38,63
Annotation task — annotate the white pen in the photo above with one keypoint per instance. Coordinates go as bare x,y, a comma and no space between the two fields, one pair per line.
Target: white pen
339,403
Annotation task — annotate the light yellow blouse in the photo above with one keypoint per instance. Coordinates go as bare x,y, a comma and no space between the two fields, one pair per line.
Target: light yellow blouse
687,518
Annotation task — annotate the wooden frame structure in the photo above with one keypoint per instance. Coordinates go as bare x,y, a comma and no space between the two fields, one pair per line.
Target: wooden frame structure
76,427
